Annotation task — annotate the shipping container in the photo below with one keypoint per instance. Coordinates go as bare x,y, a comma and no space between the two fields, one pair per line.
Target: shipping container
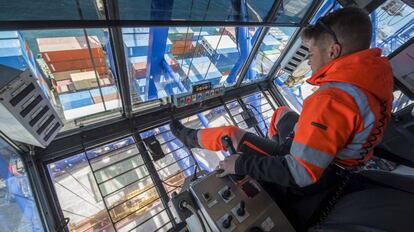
63,86
67,55
137,66
171,61
105,91
137,44
139,69
75,100
88,80
230,32
9,35
17,62
219,44
270,42
135,30
202,69
182,47
61,76
10,47
221,51
76,65
180,33
66,74
67,43
106,97
140,85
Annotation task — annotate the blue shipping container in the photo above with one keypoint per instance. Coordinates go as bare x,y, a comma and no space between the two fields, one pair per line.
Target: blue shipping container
16,62
10,47
135,30
137,44
8,34
75,100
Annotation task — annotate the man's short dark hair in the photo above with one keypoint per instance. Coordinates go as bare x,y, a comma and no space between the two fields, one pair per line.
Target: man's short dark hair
351,25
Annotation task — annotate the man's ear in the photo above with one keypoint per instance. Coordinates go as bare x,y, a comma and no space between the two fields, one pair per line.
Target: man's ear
335,51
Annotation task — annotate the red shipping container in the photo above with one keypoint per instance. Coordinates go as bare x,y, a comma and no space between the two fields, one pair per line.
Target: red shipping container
69,48
230,31
180,47
75,65
139,69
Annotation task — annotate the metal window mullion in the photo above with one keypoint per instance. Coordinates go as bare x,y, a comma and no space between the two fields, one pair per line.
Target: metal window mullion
36,185
255,49
228,112
155,178
267,98
293,39
277,96
116,42
243,106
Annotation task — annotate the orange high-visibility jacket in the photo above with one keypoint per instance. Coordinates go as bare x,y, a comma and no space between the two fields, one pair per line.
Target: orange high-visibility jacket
340,122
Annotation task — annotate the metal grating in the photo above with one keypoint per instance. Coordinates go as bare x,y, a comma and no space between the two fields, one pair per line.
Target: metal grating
262,109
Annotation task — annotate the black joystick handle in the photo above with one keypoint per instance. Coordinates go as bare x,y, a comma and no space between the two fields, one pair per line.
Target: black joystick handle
228,144
226,193
227,222
256,229
241,211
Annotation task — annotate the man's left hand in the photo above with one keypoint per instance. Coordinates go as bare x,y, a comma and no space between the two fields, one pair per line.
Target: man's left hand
228,165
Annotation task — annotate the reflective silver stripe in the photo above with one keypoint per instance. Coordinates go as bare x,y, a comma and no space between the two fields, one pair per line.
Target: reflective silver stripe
354,149
311,155
299,173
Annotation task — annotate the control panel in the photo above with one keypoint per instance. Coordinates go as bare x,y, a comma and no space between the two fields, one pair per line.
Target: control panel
182,100
242,205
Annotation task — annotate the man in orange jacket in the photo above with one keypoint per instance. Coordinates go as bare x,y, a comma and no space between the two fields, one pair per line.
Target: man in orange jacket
340,123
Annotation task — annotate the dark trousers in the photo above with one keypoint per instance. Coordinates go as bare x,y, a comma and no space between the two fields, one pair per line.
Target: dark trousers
301,205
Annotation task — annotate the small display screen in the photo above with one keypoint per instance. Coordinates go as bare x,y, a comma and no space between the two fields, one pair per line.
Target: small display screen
202,87
250,189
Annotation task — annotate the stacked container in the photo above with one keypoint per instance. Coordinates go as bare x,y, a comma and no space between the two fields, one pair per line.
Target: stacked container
201,70
64,54
182,40
68,59
11,51
222,51
229,31
15,53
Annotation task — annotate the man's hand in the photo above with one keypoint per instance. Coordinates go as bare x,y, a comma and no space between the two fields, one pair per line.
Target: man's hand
228,165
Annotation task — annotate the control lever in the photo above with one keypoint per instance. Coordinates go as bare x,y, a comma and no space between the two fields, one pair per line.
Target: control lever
241,211
228,144
226,193
227,222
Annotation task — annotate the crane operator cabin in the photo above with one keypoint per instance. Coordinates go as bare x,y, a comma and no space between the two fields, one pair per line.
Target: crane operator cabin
206,115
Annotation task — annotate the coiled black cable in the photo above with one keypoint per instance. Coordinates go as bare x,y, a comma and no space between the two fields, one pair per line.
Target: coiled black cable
370,143
377,131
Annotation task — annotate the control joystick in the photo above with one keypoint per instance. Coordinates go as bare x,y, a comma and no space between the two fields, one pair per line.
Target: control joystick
241,211
227,222
226,193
